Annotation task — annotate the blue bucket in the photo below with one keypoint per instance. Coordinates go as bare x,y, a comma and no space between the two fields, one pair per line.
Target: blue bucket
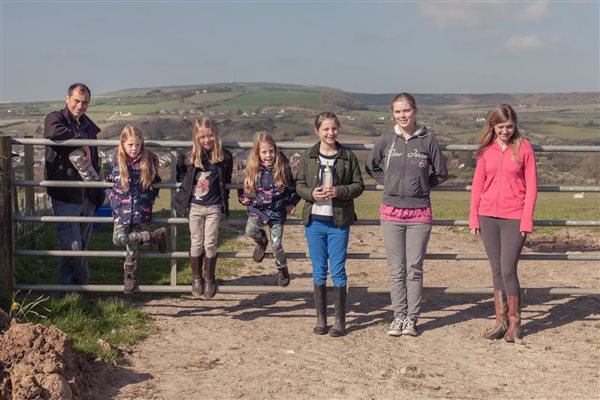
103,211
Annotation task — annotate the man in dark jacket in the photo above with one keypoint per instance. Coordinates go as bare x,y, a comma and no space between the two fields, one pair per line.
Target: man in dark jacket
72,123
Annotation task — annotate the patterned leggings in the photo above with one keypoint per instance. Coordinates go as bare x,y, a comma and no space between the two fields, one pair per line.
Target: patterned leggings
131,236
255,231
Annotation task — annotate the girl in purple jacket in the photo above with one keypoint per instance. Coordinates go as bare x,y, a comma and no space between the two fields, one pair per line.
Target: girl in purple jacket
134,170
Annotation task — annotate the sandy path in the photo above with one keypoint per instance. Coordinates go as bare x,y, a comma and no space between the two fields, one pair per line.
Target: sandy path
261,346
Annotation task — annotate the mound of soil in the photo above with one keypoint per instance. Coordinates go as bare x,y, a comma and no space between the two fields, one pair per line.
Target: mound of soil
38,363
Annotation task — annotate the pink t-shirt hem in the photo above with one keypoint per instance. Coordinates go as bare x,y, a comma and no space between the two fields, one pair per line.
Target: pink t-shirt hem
411,215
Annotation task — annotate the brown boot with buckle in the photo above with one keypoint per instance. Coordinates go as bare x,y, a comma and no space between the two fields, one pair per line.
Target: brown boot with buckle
501,308
197,279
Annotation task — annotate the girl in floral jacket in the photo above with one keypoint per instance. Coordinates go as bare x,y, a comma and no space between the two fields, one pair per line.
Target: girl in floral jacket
134,170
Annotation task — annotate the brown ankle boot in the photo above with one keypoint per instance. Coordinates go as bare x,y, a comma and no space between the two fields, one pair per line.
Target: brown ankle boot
339,328
501,308
129,283
283,275
514,319
210,286
197,280
261,246
159,237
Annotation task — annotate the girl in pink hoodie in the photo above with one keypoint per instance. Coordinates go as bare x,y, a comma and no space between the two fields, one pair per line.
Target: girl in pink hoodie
503,198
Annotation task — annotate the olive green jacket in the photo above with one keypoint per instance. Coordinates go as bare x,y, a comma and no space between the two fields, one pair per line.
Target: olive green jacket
346,178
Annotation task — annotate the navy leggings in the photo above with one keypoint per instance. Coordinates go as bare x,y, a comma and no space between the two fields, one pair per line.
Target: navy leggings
503,244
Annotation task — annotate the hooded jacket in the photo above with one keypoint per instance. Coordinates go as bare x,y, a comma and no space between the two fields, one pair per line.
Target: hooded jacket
503,187
406,178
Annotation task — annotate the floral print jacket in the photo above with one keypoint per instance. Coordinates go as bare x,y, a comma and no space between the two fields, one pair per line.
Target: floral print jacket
135,205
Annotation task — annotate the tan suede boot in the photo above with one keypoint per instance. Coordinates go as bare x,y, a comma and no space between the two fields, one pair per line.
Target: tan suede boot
501,308
514,319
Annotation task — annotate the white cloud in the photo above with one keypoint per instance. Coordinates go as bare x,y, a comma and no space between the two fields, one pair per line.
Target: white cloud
454,14
519,44
466,14
535,11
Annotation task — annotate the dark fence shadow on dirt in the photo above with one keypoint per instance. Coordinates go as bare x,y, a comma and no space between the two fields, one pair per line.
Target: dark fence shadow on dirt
114,378
481,307
365,309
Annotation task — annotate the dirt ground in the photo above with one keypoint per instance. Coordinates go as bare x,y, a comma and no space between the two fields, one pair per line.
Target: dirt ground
261,346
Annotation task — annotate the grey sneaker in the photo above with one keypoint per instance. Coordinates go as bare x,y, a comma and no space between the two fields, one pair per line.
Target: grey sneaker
396,327
410,327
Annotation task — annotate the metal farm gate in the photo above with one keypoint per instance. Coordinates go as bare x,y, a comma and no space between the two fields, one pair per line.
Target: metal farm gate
8,220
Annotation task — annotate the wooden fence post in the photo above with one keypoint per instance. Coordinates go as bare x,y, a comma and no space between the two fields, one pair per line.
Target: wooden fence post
7,261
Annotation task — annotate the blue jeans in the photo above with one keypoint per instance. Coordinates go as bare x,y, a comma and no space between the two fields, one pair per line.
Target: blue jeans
73,236
327,242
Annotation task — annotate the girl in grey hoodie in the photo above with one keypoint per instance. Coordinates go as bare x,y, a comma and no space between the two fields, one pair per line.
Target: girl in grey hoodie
408,161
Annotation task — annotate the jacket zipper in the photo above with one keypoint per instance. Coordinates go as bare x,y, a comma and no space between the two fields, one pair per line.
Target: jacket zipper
402,185
499,181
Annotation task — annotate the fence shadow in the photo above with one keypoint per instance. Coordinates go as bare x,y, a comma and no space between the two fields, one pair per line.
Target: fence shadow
109,379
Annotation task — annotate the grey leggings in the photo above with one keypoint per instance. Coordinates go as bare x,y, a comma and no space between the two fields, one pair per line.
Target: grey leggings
503,244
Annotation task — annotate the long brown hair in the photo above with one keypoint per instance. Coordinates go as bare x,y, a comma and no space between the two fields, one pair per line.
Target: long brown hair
501,114
198,153
148,161
281,166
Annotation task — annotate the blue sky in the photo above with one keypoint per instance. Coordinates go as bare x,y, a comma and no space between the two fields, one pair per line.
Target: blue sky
370,47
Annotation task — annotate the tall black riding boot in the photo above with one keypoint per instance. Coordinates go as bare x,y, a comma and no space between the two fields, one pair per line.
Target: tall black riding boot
339,328
321,307
197,280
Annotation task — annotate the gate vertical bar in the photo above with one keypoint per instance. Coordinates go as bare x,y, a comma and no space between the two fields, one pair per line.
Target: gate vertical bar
173,151
29,203
7,259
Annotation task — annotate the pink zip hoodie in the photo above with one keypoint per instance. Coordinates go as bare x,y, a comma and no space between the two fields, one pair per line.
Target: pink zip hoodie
503,187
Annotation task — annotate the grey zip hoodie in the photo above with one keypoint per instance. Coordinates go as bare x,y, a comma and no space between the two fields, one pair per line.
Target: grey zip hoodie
403,167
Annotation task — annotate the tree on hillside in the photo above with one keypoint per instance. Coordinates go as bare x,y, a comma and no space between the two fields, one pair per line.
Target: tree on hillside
337,100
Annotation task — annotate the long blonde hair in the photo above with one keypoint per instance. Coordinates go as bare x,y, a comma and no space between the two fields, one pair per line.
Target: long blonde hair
198,153
281,165
501,114
148,161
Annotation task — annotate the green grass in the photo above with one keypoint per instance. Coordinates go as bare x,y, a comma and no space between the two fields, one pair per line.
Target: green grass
89,322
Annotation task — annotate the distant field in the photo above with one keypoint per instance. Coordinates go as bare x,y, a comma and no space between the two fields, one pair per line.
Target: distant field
564,132
252,101
455,205
136,108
